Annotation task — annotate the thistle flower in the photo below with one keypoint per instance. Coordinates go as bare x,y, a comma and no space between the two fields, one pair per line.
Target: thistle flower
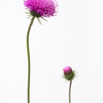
41,8
37,9
68,73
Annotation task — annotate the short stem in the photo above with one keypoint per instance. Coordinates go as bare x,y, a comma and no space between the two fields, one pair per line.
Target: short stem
70,91
28,54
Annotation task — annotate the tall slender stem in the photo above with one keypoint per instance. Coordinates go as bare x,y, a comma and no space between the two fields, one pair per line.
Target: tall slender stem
70,91
28,54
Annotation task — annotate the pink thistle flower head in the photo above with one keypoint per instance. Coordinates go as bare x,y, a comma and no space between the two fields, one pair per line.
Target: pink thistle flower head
41,8
67,70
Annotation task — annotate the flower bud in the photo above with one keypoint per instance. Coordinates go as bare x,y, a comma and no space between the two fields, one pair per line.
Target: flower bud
68,73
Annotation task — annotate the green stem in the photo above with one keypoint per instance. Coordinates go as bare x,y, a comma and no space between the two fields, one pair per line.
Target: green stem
28,53
70,91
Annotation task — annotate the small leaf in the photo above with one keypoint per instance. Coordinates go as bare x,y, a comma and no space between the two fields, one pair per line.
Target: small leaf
44,19
39,21
27,12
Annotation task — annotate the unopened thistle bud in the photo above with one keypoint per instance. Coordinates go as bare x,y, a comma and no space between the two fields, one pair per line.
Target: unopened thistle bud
69,74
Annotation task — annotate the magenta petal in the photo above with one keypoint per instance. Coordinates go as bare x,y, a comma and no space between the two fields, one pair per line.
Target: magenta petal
67,70
44,8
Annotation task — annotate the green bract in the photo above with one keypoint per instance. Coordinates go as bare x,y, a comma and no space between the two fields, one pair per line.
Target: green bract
69,76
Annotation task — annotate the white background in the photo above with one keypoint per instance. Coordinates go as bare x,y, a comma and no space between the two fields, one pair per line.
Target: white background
72,38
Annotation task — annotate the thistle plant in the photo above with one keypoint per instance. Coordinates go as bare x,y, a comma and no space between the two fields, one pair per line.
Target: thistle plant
37,9
69,75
